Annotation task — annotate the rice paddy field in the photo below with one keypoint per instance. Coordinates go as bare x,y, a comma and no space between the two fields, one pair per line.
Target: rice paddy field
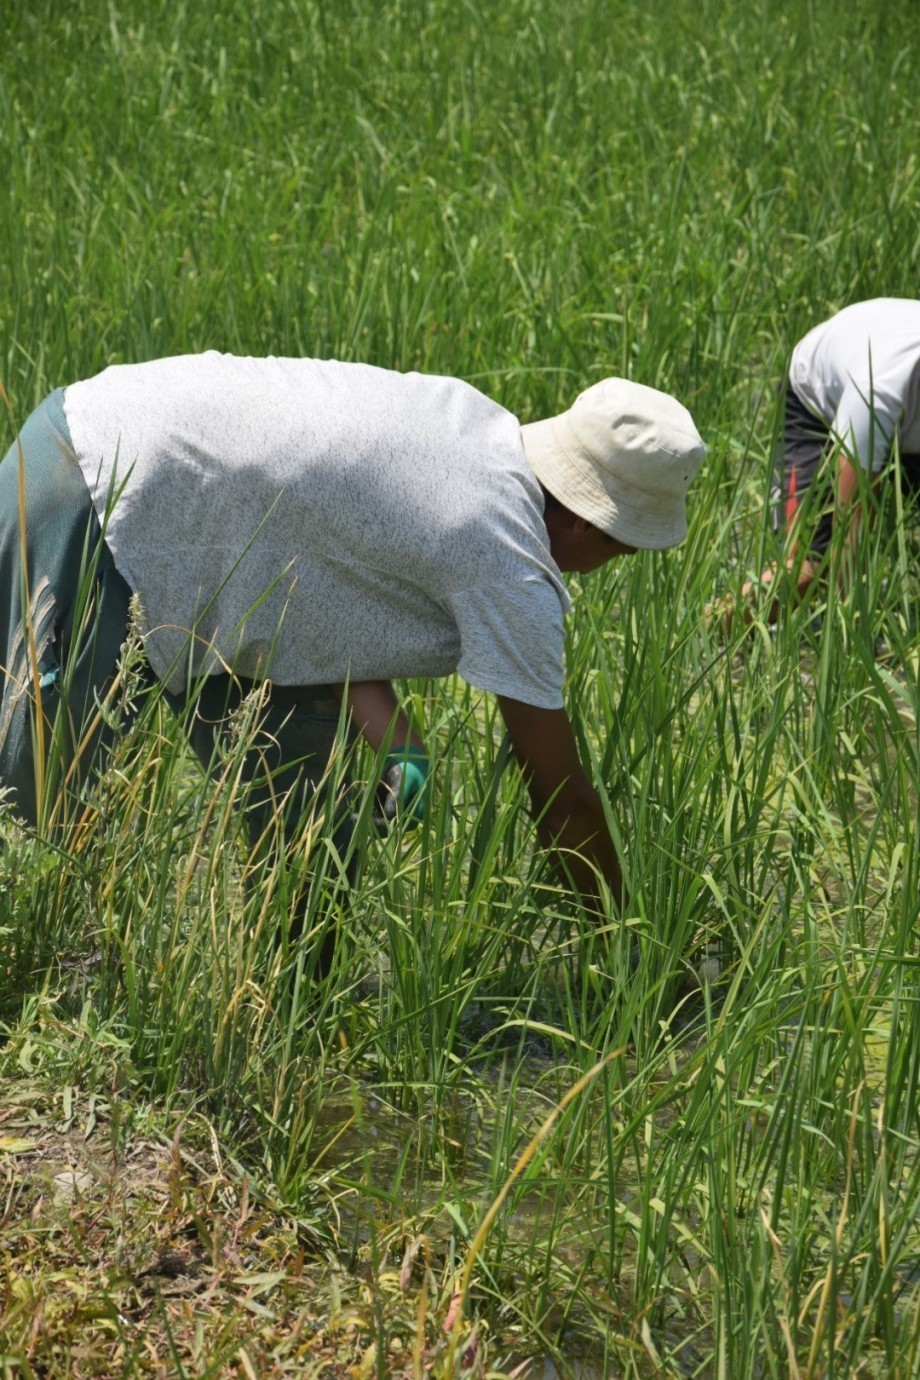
498,1138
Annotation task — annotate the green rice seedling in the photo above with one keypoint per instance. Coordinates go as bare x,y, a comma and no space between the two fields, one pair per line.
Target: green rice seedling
532,199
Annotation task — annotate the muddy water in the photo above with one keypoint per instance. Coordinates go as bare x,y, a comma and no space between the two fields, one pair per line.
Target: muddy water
368,1142
448,1160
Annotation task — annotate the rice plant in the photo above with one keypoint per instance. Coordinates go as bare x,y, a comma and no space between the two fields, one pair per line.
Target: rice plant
686,1140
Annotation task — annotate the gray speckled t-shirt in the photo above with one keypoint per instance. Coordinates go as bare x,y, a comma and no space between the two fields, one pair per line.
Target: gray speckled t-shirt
311,521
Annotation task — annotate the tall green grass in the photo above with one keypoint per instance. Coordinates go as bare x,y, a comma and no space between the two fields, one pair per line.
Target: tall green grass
530,196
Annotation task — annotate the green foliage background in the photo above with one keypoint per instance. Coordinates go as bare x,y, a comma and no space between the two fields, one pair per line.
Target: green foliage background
530,195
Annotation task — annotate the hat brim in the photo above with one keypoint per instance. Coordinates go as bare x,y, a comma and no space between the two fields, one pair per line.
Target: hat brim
626,514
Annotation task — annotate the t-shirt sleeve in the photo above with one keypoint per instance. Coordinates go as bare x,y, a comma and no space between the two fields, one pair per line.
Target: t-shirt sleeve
512,639
865,423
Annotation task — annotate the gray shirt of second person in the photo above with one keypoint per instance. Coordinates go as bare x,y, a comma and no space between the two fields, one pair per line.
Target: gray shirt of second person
312,521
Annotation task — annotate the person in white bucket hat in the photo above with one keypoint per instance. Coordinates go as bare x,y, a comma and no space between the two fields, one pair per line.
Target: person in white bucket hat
304,525
622,458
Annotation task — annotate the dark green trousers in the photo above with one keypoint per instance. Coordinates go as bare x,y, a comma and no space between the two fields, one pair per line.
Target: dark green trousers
63,614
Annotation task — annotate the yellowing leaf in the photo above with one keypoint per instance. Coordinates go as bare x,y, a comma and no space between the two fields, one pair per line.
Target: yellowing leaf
15,1145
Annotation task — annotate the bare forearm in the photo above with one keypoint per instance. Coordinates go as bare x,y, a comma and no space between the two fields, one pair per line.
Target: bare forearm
764,597
578,838
374,708
568,810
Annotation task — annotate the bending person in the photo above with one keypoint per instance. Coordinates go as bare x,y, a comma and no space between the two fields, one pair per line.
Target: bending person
298,524
852,392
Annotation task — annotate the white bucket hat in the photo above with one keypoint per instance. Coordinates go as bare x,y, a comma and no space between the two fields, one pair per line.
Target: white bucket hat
622,457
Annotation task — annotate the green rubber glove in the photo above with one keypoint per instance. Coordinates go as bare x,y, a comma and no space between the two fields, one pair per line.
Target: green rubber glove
402,790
